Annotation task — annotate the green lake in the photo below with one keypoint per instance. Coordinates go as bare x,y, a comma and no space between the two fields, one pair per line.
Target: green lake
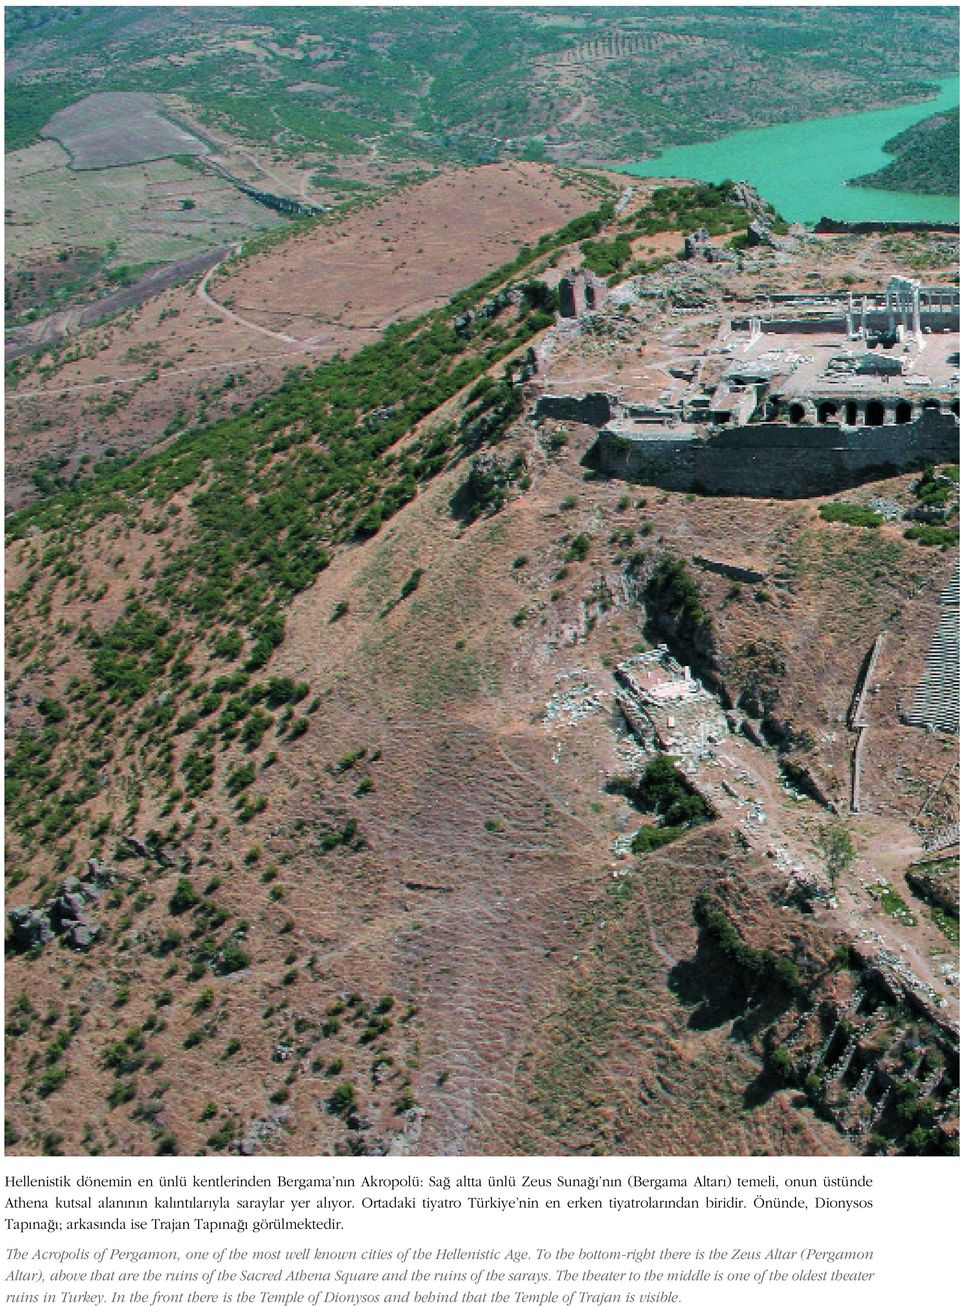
801,167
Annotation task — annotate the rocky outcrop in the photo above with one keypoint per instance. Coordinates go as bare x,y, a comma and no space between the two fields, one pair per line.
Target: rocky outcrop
65,915
761,232
29,928
135,847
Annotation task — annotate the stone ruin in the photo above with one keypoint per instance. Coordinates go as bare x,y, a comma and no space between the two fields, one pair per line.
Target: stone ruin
697,246
870,1041
581,292
936,701
666,707
781,406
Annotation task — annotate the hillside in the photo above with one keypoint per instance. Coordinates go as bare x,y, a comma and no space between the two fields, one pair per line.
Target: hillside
336,87
139,138
301,295
927,158
322,814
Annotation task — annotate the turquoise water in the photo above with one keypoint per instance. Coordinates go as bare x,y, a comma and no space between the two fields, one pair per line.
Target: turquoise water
801,167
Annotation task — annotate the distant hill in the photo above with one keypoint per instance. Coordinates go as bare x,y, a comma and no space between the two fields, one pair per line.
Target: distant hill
339,86
926,158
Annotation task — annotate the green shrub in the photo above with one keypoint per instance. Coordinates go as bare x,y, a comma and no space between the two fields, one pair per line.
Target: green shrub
664,791
853,514
120,1093
183,898
231,958
51,1079
941,537
764,967
126,1055
782,1064
651,837
579,548
342,1100
606,257
676,595
223,1136
412,583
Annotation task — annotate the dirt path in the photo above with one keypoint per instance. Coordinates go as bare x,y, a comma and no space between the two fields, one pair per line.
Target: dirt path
204,294
666,957
50,330
300,346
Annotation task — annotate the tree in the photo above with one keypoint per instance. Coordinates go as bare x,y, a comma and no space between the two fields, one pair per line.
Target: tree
836,849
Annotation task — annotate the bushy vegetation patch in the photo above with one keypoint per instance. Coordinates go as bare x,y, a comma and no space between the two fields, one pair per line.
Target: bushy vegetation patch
852,514
606,257
940,537
663,791
686,208
762,965
676,598
937,487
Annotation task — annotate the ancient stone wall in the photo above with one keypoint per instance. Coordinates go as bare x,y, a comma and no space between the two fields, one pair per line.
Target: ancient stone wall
796,325
747,575
580,292
593,409
777,461
836,226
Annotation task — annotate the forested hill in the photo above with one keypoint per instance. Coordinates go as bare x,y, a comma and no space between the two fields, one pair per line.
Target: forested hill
927,158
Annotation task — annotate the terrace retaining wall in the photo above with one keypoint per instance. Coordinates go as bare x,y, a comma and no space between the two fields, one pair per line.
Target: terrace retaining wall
775,461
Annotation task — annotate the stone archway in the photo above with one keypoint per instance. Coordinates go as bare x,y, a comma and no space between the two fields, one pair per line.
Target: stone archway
850,413
903,412
828,412
796,413
873,413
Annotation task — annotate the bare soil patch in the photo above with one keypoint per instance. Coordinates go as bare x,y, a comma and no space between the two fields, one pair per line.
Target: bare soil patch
404,254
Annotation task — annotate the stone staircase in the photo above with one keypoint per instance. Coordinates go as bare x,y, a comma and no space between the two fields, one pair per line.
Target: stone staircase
936,701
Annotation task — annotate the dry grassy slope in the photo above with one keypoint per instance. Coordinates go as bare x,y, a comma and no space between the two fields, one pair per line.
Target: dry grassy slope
175,360
394,684
651,1048
831,590
409,251
485,870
